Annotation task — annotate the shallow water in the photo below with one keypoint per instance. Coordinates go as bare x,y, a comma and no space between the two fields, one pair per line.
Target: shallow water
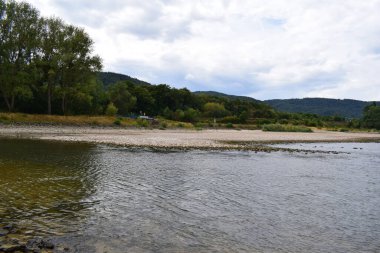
94,198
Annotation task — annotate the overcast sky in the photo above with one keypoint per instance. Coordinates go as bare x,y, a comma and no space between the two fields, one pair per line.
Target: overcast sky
259,48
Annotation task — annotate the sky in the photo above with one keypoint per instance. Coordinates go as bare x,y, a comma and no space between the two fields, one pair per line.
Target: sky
264,49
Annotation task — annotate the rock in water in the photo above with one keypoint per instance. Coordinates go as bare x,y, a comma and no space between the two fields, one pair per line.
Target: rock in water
12,248
39,243
3,232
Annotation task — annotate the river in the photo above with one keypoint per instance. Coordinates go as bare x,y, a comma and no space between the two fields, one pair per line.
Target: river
98,198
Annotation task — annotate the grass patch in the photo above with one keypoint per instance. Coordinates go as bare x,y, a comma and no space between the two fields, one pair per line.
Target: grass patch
285,128
77,120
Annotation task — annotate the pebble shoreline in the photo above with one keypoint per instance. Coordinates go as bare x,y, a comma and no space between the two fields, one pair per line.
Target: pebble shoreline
180,139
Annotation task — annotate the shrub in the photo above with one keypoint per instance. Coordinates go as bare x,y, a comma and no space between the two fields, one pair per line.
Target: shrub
214,110
118,121
111,109
230,119
191,115
285,128
4,118
142,122
178,115
229,125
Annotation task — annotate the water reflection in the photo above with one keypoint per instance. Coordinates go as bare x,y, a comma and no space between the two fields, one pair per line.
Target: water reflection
99,198
46,188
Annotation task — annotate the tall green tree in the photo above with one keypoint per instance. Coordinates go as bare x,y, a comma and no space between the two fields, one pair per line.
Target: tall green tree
121,97
215,110
79,65
50,59
66,62
20,27
371,118
145,103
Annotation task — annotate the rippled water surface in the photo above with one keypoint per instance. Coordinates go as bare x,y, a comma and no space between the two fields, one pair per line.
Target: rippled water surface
98,198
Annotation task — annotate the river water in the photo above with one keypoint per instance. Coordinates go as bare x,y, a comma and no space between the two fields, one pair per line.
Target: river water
96,198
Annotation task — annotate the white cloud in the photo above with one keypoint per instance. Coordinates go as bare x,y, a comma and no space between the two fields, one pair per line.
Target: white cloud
266,49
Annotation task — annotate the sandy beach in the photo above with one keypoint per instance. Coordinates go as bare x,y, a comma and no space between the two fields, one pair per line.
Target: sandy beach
172,138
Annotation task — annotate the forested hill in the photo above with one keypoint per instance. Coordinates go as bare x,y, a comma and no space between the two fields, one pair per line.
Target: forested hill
223,95
348,108
321,106
108,78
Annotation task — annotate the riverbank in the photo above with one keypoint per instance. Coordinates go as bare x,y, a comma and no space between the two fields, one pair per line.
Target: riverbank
177,138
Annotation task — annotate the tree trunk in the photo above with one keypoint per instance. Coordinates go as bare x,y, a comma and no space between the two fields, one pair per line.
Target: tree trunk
12,103
64,104
7,103
49,91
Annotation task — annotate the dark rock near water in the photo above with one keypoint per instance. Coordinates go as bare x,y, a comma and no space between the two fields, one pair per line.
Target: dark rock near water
39,243
3,232
8,227
12,248
32,246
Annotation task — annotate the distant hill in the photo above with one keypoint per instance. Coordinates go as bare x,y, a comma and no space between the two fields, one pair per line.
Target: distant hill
109,78
348,108
231,97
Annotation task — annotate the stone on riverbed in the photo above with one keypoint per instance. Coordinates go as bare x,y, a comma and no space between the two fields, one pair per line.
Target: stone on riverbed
36,245
3,232
12,248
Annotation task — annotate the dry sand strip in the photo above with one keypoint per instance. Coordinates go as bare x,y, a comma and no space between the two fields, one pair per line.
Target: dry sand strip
172,138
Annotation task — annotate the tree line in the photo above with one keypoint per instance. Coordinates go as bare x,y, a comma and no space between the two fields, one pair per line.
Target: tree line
46,65
181,104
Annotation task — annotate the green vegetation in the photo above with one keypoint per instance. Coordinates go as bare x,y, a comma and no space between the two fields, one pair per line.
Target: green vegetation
108,78
44,63
371,117
47,67
285,128
222,95
347,108
111,109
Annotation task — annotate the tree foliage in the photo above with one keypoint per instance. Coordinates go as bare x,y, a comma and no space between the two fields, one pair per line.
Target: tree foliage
48,66
39,55
371,118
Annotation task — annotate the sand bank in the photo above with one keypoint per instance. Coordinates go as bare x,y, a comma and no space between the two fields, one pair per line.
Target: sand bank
176,138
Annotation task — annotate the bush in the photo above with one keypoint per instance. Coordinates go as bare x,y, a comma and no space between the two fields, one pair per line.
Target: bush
142,122
230,119
163,125
118,121
178,115
215,110
4,118
229,125
285,128
283,121
191,115
111,109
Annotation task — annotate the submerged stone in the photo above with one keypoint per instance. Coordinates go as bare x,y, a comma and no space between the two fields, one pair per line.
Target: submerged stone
40,244
12,248
3,232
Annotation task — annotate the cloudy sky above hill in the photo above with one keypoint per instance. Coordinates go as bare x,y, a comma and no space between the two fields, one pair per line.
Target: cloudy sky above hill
259,48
